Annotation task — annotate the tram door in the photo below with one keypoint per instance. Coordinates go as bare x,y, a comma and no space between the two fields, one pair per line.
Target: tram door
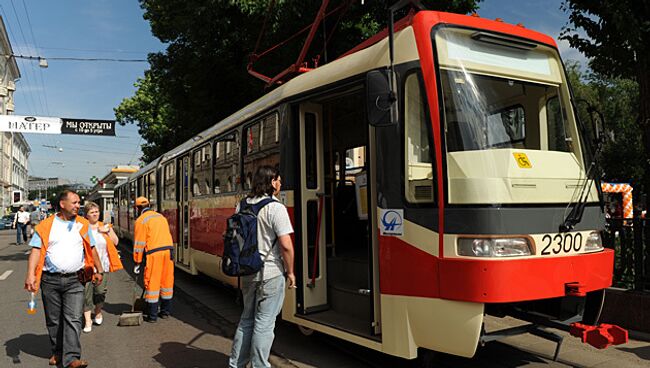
182,250
312,188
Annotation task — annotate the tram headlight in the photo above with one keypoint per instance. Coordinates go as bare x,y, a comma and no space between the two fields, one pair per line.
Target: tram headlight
494,247
594,242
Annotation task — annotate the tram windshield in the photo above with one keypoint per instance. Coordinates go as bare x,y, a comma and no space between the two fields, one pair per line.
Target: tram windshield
507,118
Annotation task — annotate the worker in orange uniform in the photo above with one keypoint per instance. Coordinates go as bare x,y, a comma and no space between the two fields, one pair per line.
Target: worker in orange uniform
153,239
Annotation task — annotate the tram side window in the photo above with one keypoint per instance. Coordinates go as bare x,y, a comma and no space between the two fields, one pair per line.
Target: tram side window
226,163
169,191
202,171
153,195
419,170
262,146
558,138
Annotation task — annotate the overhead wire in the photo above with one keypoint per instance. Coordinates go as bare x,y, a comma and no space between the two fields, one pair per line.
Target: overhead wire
25,43
40,70
29,100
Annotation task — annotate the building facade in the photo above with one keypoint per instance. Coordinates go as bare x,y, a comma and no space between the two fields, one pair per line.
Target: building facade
102,192
15,149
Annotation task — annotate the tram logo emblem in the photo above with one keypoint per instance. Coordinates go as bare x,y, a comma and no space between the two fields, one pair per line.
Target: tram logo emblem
391,222
522,160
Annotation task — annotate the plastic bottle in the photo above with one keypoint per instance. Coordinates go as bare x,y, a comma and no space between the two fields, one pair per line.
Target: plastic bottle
31,306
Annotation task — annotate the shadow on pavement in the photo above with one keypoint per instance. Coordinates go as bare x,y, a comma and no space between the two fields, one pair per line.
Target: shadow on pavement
642,352
21,256
36,345
116,309
175,354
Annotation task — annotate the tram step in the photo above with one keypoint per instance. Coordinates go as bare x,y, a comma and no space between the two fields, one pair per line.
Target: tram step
349,301
347,272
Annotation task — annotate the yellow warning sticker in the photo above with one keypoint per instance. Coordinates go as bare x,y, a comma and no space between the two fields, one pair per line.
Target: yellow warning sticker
522,160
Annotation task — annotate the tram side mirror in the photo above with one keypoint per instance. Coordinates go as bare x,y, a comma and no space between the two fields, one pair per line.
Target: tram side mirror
381,101
595,121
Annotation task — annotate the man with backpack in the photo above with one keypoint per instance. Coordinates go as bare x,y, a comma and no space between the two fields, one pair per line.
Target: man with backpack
264,289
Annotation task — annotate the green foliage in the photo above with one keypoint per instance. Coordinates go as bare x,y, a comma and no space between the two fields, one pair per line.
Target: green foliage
616,36
201,78
616,99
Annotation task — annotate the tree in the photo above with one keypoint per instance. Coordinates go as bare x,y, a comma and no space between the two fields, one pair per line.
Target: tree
202,78
616,36
616,99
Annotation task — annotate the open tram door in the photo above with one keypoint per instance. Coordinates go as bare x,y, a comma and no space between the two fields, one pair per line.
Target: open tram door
312,185
183,196
337,277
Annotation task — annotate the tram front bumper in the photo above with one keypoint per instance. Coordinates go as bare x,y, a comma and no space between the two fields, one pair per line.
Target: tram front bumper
517,280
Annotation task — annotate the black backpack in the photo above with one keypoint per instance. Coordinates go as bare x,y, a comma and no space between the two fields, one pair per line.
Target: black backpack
241,255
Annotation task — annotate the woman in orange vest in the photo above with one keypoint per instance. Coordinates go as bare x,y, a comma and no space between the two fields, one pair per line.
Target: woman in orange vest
106,239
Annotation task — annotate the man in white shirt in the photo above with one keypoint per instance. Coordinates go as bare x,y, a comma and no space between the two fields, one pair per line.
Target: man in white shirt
63,248
20,224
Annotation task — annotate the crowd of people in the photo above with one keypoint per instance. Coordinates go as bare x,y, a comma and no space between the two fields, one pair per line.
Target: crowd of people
70,255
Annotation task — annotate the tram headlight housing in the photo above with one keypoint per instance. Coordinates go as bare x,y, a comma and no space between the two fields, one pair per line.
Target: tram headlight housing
494,247
594,242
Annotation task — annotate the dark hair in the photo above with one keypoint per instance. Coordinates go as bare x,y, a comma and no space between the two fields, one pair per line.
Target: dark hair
261,183
64,195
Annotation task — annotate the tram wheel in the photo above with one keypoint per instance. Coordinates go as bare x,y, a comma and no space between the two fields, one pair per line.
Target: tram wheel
426,359
305,330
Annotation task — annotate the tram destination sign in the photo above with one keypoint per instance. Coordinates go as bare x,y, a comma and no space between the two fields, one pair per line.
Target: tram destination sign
52,125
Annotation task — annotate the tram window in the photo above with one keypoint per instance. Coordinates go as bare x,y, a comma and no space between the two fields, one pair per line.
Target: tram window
202,171
169,191
558,138
226,164
419,171
253,138
311,164
270,131
262,146
140,186
153,195
507,127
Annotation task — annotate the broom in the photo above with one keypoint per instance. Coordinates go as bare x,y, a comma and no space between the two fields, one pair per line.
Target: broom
134,317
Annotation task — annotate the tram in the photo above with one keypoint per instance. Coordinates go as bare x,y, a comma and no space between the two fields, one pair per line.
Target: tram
411,228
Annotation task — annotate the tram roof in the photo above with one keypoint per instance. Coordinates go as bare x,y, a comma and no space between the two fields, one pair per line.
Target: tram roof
373,57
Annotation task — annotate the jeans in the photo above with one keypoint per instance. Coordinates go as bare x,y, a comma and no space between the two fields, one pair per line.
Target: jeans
254,335
63,299
21,229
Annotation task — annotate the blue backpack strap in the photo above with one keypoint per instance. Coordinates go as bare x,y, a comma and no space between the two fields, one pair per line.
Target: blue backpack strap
259,205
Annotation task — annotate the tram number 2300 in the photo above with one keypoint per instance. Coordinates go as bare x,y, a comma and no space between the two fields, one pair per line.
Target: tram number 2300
561,243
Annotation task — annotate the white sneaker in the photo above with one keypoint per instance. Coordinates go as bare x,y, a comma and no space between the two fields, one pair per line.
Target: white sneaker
99,320
88,328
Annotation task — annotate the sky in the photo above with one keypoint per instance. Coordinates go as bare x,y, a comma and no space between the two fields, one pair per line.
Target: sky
116,29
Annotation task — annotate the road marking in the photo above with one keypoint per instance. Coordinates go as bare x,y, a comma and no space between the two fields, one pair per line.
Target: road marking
6,274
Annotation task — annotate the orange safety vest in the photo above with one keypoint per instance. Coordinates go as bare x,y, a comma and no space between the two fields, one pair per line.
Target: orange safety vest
151,234
113,256
43,230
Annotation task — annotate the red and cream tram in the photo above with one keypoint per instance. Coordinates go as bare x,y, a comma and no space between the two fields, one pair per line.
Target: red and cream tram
408,233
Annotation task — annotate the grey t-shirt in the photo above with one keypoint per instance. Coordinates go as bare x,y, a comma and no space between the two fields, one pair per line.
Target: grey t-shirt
272,222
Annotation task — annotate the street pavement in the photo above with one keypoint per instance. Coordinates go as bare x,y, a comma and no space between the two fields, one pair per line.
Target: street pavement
199,334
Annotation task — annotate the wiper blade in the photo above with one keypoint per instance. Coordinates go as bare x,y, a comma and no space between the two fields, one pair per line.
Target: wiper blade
575,216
